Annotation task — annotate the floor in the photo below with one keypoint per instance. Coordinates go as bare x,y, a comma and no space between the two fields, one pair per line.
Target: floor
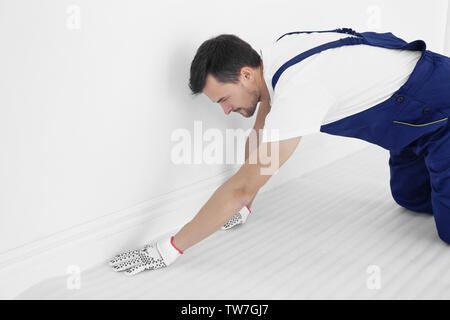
334,233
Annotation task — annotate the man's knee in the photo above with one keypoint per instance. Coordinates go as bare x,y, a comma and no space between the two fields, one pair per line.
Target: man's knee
444,234
419,207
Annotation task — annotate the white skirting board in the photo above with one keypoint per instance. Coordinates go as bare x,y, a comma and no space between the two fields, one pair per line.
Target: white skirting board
92,243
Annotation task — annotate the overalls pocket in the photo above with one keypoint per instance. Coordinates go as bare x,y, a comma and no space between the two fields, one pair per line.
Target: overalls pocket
414,121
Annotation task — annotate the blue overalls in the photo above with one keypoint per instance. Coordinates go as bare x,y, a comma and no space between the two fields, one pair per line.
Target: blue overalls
412,124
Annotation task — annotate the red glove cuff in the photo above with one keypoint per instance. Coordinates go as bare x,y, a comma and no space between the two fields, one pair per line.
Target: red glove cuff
171,242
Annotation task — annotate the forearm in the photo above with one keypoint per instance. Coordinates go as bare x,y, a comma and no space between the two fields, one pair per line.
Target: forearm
255,137
248,151
223,204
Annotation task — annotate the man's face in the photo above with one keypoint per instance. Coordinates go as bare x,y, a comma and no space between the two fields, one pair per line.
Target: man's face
241,97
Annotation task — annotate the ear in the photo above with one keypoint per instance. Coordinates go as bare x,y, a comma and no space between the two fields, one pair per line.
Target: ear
247,73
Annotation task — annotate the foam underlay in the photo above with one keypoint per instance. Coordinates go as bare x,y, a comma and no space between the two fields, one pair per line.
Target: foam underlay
334,233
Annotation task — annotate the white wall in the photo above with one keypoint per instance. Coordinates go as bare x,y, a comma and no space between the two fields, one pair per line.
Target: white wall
447,32
86,114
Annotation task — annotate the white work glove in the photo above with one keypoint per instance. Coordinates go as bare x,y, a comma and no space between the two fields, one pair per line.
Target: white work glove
238,218
158,254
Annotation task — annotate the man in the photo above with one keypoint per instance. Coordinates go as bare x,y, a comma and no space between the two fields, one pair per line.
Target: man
371,86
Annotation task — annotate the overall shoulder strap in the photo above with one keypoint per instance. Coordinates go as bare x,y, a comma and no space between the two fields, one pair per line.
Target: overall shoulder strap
386,40
340,30
334,44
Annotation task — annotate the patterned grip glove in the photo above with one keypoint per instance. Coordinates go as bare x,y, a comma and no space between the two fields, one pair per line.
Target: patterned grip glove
155,255
238,218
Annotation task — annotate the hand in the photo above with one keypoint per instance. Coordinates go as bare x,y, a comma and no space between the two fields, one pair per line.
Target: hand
238,218
155,255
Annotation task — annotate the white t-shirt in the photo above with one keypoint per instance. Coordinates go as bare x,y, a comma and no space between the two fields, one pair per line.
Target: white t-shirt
329,85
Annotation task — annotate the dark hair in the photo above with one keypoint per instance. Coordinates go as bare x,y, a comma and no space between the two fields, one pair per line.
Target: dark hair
222,57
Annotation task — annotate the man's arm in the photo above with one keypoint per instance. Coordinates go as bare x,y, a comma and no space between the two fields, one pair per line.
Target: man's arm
263,110
236,192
